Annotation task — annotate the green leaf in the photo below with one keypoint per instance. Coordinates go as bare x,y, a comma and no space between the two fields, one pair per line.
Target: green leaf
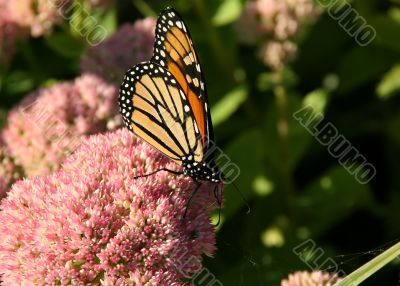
18,82
251,166
65,45
387,31
3,115
268,80
317,99
390,83
144,8
227,12
298,137
107,19
354,70
228,104
333,196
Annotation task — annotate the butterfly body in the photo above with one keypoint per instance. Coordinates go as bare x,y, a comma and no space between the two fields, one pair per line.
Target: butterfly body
201,172
164,101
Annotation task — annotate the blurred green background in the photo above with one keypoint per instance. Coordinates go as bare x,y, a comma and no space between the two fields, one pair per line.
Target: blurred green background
296,190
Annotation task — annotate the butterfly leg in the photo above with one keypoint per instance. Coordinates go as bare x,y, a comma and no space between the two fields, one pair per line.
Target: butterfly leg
162,169
191,197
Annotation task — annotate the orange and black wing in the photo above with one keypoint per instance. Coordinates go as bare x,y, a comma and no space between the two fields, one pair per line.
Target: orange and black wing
155,107
174,51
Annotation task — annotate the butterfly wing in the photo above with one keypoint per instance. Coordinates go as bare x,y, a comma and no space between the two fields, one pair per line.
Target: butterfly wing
174,50
154,106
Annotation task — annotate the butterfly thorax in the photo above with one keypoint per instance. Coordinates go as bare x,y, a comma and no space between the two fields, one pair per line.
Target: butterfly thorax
201,171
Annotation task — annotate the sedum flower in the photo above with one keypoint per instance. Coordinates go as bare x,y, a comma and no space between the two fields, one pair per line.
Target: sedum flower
49,123
9,171
275,24
40,16
315,278
9,34
275,54
93,223
131,44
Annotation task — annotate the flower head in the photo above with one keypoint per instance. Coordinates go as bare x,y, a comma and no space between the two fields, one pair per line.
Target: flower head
275,54
49,123
40,16
93,223
315,278
9,34
131,44
9,171
275,24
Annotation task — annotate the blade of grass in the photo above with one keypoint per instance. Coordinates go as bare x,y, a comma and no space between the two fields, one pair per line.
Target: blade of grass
362,273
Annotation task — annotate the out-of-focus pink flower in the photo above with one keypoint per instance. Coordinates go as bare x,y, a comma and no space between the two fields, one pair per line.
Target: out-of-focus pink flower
276,54
40,16
131,44
92,223
276,21
49,123
315,278
9,171
9,34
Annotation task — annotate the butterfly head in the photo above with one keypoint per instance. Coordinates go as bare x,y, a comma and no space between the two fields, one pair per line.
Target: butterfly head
202,171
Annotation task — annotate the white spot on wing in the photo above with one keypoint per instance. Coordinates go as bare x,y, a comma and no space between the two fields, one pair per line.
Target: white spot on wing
191,56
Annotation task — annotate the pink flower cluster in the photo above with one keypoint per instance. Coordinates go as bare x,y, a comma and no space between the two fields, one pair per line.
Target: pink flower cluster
39,16
131,44
316,278
9,34
275,23
9,171
20,18
93,223
49,123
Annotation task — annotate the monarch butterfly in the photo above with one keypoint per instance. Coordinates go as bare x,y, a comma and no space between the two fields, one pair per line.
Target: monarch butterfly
164,101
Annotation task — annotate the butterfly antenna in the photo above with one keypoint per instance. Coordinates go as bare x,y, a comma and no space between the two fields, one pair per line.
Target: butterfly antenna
190,199
243,198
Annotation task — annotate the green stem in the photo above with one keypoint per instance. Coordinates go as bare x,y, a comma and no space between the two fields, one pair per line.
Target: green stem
283,137
144,8
32,63
215,41
370,267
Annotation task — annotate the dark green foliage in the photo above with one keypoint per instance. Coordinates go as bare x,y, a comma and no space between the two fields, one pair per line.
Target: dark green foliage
294,187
